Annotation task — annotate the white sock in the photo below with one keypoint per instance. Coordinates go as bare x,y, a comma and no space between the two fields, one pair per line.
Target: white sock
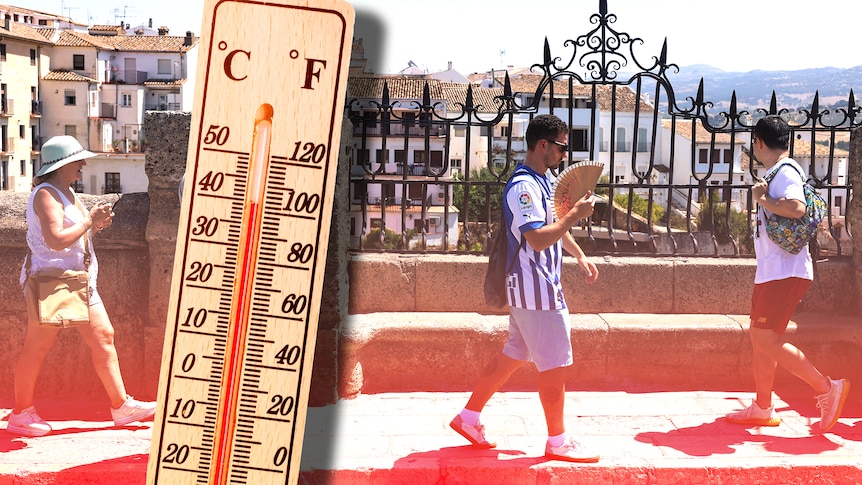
557,441
470,418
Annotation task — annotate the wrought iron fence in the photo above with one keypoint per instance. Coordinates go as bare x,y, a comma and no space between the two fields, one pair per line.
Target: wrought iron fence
678,172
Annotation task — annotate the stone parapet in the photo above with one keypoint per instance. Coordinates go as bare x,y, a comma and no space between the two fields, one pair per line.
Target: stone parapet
437,283
417,352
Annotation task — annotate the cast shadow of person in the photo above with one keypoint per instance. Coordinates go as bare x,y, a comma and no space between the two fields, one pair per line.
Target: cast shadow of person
721,438
466,464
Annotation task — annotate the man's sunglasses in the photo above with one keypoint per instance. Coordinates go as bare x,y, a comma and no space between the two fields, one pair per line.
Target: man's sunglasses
563,146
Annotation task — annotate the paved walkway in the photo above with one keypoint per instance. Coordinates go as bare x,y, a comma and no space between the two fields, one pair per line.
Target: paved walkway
644,438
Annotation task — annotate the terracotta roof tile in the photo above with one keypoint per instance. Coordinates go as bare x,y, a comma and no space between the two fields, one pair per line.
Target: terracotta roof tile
371,87
107,29
409,87
526,83
745,160
151,43
64,75
49,33
483,98
703,137
802,149
50,15
21,31
69,38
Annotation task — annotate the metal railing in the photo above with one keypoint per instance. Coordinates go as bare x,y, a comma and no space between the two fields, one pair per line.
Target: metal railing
162,106
112,189
128,77
7,107
660,196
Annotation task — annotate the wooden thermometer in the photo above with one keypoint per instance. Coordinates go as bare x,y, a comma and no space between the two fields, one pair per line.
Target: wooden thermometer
252,240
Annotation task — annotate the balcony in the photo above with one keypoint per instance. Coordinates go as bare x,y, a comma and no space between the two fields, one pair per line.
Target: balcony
128,77
126,145
395,130
411,169
7,146
163,107
7,107
393,201
108,110
35,109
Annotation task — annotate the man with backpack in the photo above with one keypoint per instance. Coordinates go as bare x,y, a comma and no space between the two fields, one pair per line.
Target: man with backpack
539,328
780,281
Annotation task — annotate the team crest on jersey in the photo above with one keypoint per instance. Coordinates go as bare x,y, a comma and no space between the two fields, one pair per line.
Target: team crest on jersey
525,202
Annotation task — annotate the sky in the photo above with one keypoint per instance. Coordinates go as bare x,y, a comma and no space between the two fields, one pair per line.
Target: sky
479,35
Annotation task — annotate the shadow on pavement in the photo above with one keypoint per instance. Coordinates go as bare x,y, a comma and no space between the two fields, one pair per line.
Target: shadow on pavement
125,470
719,438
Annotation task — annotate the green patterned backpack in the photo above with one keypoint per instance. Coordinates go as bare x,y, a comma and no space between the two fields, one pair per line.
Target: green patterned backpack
794,234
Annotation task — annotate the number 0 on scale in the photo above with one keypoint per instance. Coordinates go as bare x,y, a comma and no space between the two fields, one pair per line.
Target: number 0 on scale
251,245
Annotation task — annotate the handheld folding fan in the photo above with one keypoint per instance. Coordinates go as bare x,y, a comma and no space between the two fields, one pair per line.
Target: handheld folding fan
573,183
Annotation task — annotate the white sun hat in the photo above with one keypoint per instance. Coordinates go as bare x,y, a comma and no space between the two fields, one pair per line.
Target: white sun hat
59,151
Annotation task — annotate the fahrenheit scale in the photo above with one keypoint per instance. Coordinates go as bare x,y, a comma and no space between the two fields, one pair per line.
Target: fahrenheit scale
251,246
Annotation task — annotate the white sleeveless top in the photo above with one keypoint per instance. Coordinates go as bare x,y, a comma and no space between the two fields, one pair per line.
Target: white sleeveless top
41,256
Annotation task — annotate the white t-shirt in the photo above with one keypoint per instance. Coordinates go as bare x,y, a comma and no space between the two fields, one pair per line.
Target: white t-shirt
774,263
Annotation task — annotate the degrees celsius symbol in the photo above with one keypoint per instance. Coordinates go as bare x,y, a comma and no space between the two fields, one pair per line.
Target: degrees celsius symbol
251,245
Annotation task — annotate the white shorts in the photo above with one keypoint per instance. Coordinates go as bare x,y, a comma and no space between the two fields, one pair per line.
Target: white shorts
540,336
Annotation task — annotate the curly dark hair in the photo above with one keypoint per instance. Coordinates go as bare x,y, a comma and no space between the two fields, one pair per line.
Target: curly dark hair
544,127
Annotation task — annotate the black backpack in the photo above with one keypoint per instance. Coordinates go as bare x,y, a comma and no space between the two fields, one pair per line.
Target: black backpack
498,267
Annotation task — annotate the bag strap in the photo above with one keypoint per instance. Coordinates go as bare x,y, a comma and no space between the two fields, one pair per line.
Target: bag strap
772,175
86,234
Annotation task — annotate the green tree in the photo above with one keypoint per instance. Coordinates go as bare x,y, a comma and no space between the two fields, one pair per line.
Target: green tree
713,217
391,239
640,206
479,193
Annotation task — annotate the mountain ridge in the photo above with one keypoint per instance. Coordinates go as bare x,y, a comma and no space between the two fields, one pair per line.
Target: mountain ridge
793,88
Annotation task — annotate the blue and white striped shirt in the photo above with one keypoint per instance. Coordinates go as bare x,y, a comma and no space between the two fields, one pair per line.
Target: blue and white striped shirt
533,283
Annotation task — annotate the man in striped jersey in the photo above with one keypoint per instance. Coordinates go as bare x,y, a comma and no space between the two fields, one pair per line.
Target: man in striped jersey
539,329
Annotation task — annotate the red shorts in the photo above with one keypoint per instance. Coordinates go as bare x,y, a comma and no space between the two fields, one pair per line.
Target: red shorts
773,303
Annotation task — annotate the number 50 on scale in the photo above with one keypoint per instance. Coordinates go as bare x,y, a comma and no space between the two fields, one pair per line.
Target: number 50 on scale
251,245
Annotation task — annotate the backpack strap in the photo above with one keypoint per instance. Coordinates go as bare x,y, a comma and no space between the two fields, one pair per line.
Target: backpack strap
520,171
772,175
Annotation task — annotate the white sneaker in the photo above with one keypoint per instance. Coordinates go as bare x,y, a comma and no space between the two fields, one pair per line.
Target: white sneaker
133,410
28,423
755,416
830,404
474,434
571,451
